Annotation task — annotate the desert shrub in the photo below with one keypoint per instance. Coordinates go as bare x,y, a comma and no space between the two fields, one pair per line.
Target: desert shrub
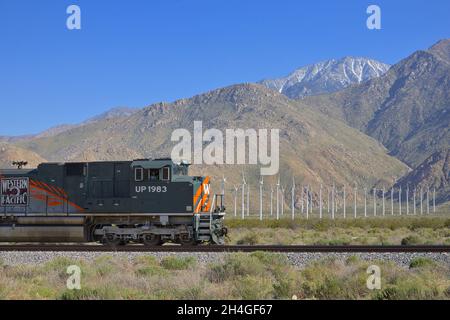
447,223
253,287
237,264
87,293
248,239
411,240
151,270
104,265
409,289
421,262
178,263
270,259
146,260
60,264
352,260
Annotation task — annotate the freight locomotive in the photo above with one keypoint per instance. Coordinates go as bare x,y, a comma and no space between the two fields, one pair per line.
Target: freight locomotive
149,201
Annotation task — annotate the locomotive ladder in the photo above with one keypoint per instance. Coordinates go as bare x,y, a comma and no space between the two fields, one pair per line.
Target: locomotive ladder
203,227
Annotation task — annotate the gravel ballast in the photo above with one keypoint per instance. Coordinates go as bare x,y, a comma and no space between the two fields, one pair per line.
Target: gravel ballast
14,258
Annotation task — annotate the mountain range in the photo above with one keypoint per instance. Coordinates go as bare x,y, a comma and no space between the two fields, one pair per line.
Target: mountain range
343,121
327,77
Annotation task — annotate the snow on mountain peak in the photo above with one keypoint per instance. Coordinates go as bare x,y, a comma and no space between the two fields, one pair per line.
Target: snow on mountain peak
327,76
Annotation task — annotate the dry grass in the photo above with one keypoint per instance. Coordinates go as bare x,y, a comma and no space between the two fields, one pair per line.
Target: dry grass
239,276
373,231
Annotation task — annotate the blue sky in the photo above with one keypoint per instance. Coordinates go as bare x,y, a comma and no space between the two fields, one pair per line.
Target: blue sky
134,53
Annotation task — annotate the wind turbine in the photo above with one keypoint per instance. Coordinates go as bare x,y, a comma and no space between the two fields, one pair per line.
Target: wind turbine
223,185
278,193
356,195
243,195
392,201
421,201
307,202
261,183
271,200
345,210
248,200
374,202
407,199
293,198
365,202
236,189
434,200
320,202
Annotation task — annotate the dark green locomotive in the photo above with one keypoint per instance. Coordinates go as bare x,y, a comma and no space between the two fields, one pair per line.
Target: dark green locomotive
148,201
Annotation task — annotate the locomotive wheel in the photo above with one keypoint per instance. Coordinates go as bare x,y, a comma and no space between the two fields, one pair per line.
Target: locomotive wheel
151,239
111,240
186,240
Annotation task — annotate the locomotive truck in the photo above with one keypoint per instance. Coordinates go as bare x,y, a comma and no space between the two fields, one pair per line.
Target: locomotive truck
149,201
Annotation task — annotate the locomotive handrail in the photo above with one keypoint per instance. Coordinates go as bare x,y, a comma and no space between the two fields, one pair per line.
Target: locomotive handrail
211,211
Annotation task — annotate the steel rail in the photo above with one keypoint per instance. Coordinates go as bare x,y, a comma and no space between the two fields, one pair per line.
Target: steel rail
227,248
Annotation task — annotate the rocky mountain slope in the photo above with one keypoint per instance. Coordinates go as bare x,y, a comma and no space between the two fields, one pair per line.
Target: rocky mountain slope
433,173
407,109
313,148
326,77
10,153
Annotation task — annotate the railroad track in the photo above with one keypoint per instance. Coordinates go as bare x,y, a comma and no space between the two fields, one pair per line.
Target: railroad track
228,248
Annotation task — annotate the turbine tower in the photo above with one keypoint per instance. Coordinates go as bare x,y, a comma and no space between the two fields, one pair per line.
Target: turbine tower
278,194
243,195
320,202
293,198
261,183
236,189
271,200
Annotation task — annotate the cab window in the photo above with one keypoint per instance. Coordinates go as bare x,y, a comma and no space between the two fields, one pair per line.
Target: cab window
154,174
166,173
138,174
